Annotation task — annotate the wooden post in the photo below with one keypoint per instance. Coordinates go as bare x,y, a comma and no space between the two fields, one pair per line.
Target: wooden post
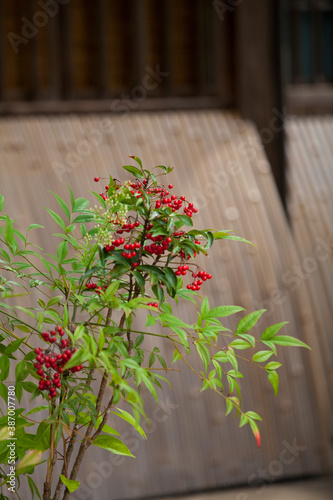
258,77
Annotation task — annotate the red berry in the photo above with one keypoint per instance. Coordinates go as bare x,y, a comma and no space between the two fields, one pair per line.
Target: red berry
170,186
96,179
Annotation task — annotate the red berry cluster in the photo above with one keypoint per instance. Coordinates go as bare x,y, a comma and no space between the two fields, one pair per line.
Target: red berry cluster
130,250
49,365
181,270
196,284
115,243
153,304
160,243
173,202
91,286
159,246
94,286
127,228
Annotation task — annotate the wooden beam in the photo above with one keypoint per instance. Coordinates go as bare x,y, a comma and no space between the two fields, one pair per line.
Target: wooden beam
306,99
105,106
65,14
139,49
167,55
102,84
259,95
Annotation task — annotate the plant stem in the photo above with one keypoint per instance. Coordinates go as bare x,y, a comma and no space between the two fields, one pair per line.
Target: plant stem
51,464
67,458
87,441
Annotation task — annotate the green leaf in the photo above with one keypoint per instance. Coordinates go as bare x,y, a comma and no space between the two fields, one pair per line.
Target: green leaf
54,300
272,330
63,205
176,356
243,420
62,251
4,392
235,374
240,344
229,406
139,279
2,202
38,408
171,277
185,219
83,229
232,358
261,356
57,218
203,353
112,444
150,320
23,328
273,365
27,311
270,345
162,361
222,311
134,171
101,339
110,430
137,159
13,346
111,290
9,232
248,337
33,487
34,226
86,217
253,415
181,334
69,483
80,204
273,377
4,435
42,438
131,420
20,371
172,320
249,321
221,356
255,431
288,341
80,356
65,316
204,307
32,457
224,235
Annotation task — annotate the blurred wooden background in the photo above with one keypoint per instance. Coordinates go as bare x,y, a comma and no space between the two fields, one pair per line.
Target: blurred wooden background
220,165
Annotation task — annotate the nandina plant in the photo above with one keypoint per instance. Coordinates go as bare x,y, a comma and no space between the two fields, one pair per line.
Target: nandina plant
131,251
